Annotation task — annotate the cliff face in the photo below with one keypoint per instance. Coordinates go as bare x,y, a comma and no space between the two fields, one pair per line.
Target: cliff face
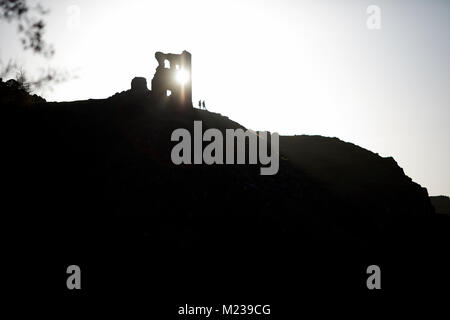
96,175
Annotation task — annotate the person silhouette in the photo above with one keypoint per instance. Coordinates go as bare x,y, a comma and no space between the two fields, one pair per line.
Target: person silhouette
203,104
199,104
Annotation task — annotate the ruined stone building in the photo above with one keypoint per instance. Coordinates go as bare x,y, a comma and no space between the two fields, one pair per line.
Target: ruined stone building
172,79
171,83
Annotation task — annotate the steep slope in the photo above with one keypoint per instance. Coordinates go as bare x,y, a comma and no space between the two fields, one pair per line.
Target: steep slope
371,184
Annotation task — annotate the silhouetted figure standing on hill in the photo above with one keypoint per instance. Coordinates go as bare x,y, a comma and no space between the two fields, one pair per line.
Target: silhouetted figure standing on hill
201,104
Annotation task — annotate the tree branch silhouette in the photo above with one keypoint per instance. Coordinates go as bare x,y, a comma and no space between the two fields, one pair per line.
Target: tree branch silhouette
31,28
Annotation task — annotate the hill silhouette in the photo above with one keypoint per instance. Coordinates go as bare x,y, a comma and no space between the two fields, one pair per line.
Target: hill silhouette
91,182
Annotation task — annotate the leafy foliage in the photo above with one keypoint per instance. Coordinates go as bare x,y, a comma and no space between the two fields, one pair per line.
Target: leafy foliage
31,26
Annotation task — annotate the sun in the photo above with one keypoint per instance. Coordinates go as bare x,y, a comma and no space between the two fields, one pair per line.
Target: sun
182,76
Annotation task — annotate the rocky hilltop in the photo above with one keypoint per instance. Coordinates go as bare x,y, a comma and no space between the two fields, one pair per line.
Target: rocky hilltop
96,176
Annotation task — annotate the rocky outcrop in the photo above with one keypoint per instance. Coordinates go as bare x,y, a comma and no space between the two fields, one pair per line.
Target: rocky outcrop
441,204
139,85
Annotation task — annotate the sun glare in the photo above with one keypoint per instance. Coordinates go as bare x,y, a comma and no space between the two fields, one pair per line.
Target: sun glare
182,76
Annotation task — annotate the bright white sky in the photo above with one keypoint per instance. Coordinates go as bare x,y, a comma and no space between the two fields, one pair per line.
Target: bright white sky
294,67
